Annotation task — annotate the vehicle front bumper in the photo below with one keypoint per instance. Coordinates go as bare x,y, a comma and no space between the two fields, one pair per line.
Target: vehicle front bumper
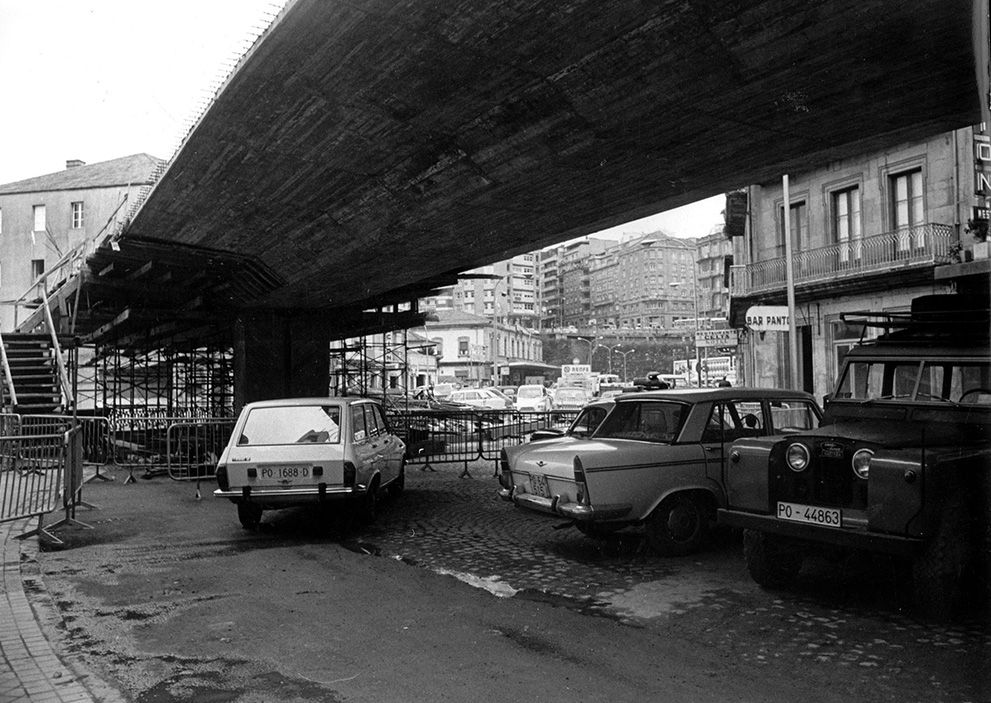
848,537
573,511
297,494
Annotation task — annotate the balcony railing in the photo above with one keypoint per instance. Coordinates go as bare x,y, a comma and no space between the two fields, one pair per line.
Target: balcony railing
910,247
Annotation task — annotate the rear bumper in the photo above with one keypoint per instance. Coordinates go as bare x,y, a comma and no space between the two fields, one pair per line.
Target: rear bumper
572,511
289,496
851,538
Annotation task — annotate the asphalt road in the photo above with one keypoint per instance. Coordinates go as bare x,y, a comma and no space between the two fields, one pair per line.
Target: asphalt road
454,595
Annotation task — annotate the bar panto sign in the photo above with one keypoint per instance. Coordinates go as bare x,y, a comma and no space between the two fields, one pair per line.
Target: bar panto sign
768,318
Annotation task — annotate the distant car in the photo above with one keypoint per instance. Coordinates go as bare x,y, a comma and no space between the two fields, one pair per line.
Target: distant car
569,399
310,450
442,390
481,398
508,391
656,460
533,398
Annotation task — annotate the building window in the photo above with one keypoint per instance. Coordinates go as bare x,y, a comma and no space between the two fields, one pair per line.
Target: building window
907,208
462,346
438,348
77,214
797,215
37,268
846,223
39,218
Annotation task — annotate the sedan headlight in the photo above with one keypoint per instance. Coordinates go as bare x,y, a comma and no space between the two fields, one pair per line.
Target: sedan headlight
861,462
797,456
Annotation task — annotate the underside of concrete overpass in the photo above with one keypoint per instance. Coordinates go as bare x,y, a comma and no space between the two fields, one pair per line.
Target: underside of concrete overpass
363,153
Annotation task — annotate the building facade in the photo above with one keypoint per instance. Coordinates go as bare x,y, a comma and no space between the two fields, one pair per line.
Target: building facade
646,282
870,233
43,219
475,350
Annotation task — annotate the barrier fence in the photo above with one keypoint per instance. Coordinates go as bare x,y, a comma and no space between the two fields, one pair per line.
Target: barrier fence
466,436
36,449
39,473
194,446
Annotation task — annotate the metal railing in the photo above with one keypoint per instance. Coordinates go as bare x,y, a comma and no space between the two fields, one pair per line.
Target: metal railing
466,436
924,245
40,473
193,447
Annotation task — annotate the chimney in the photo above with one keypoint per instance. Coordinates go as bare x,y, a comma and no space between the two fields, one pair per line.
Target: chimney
72,163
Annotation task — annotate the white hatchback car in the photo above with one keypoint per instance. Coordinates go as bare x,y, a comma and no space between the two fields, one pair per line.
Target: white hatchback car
481,398
310,450
533,398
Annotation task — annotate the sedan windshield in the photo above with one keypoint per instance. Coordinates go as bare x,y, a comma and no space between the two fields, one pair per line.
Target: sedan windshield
292,424
525,392
651,421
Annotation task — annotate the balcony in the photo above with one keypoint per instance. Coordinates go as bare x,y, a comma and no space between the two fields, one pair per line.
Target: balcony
906,249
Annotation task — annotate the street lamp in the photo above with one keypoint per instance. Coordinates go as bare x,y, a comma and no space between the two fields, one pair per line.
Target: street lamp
695,307
590,341
624,354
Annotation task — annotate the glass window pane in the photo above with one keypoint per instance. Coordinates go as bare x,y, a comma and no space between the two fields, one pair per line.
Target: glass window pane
304,424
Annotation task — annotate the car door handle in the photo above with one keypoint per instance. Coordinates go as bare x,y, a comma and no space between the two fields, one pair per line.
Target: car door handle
713,449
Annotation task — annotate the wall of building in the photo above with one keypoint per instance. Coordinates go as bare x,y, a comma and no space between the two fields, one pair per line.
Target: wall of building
946,163
20,244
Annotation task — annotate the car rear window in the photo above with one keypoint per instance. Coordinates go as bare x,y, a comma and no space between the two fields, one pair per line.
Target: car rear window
292,424
651,421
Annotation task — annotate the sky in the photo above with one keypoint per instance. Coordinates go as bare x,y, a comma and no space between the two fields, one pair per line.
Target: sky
101,79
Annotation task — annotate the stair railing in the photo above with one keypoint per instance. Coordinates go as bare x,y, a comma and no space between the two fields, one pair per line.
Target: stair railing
56,347
6,373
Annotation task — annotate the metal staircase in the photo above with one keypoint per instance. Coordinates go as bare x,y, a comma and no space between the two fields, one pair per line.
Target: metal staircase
31,379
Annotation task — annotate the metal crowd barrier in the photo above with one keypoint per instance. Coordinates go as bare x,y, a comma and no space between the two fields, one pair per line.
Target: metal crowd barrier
39,473
94,435
465,436
194,447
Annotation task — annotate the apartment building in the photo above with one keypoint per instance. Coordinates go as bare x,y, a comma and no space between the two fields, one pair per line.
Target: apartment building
646,282
868,233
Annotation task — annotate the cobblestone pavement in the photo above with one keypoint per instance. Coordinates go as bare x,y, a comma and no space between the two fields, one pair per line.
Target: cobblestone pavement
853,615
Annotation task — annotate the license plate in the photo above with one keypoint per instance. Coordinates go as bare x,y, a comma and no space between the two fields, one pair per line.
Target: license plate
284,473
538,485
796,512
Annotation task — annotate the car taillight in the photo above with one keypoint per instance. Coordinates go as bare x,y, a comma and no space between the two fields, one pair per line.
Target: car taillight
582,494
350,474
222,479
505,475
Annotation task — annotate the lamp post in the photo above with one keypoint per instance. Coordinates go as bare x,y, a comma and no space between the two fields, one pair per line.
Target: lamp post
625,354
590,341
695,308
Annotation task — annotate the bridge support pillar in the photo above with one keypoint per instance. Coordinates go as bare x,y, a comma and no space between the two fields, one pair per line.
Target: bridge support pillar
280,355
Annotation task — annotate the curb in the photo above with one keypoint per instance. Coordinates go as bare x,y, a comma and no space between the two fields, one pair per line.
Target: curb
31,671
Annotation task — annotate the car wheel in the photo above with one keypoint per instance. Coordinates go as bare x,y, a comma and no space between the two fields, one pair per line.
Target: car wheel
370,503
677,526
771,562
250,515
398,483
938,571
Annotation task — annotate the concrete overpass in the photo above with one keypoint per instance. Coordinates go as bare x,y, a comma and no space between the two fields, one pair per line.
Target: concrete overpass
363,153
